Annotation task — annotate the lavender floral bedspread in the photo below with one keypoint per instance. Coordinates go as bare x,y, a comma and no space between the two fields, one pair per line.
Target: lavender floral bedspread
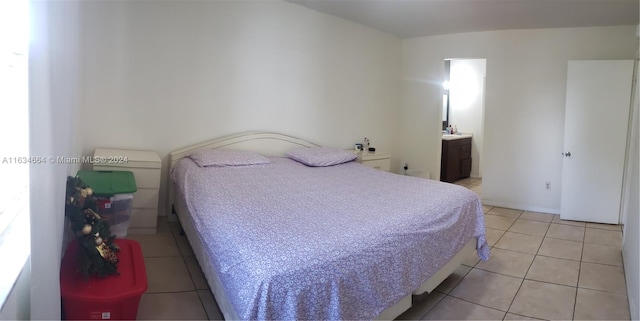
292,242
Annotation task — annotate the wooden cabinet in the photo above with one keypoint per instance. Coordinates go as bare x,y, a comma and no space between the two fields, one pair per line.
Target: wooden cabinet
456,159
146,168
378,161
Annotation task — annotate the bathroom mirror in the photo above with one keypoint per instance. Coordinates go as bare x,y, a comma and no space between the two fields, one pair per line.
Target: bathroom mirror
445,94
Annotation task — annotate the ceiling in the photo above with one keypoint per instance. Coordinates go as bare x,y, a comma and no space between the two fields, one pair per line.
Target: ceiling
419,18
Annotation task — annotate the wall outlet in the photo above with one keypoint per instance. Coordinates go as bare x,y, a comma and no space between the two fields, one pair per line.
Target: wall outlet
547,185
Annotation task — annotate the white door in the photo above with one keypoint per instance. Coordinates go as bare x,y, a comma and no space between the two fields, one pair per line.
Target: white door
595,136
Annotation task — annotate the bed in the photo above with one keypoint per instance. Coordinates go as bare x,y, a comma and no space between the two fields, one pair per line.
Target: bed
284,240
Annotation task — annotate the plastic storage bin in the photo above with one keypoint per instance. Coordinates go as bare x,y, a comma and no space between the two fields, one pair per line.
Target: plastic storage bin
114,297
114,191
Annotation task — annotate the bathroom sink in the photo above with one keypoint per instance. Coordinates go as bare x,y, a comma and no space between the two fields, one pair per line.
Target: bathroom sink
455,136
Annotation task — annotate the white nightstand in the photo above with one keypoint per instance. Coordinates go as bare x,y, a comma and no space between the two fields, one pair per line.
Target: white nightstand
375,160
146,167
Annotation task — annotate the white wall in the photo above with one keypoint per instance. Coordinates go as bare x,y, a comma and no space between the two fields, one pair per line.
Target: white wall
631,208
54,88
166,74
466,109
524,103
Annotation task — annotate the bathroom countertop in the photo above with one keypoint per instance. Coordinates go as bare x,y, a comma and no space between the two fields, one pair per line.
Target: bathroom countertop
456,136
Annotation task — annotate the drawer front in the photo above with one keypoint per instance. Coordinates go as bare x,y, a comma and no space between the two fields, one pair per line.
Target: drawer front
144,218
380,164
458,142
145,198
146,178
465,151
371,157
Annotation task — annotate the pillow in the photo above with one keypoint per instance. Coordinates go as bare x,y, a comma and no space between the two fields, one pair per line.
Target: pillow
321,156
227,157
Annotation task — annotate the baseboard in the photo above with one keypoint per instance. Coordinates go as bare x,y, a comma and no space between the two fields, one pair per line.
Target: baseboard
521,207
632,289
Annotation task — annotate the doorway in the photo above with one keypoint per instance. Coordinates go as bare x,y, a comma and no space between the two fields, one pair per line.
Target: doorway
463,101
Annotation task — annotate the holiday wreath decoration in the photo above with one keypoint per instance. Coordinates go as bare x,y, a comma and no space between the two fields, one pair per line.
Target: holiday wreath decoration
96,250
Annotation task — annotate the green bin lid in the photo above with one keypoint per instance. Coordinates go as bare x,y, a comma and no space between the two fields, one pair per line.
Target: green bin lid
109,183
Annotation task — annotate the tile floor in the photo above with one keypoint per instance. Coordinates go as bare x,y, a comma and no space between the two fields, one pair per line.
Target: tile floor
541,267
177,289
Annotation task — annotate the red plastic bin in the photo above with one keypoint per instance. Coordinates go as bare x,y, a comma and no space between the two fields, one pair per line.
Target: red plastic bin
114,297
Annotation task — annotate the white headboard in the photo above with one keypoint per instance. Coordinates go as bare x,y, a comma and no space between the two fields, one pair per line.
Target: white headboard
265,143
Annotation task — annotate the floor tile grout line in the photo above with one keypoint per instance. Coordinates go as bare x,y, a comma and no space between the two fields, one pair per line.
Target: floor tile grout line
203,307
521,315
605,229
575,301
465,275
612,265
478,304
184,260
601,244
607,245
582,244
444,295
460,281
509,216
528,219
529,268
604,291
555,238
568,222
539,246
208,289
559,258
505,232
498,240
182,256
524,278
565,224
499,248
534,254
514,222
191,276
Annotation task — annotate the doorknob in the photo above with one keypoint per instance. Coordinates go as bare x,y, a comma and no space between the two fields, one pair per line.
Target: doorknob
567,154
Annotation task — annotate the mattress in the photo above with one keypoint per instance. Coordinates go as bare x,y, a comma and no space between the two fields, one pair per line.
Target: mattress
288,241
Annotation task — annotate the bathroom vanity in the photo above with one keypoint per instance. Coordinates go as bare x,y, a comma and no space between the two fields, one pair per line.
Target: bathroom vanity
456,157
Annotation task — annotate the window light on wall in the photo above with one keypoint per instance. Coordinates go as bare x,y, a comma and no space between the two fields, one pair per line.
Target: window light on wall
14,141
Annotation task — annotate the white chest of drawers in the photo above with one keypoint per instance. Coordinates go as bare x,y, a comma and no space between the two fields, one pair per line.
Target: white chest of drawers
378,161
146,168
